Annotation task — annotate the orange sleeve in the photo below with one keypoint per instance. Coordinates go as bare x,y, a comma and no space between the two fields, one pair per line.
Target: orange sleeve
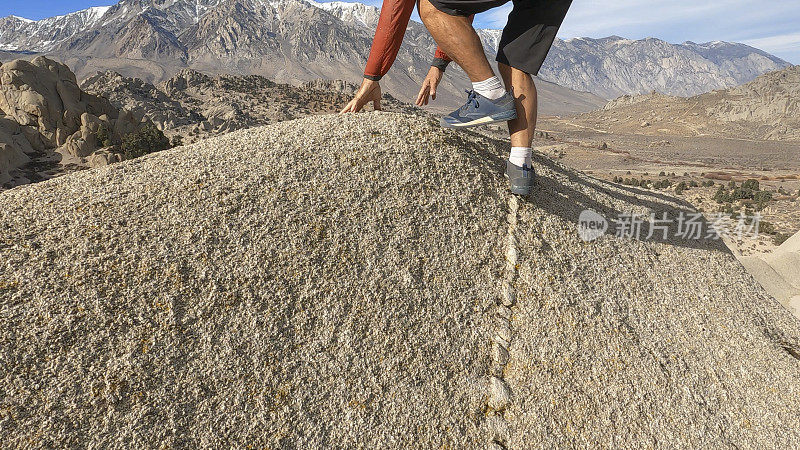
392,24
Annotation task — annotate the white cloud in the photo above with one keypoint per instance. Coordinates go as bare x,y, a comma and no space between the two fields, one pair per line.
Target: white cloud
779,43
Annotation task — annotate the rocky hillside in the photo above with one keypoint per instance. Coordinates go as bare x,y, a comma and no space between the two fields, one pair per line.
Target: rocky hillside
194,105
777,272
152,40
615,66
46,119
766,108
366,281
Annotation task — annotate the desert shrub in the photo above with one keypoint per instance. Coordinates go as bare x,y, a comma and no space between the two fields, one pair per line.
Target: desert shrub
722,196
751,184
780,238
147,139
766,227
103,137
728,209
662,174
732,184
762,198
694,184
708,183
742,193
680,188
177,140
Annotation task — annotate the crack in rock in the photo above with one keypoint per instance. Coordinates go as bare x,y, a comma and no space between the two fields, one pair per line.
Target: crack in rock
499,393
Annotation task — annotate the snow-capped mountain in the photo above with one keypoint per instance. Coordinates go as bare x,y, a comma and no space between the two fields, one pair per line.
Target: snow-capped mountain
18,33
298,40
615,66
352,13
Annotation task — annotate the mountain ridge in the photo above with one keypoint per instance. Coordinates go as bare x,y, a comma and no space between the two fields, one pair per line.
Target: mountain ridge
335,44
766,108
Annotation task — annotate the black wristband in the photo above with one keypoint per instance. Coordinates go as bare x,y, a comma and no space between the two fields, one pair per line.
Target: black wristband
373,77
440,63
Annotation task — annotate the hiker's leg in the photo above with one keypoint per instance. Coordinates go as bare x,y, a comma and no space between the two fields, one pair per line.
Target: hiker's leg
458,39
522,128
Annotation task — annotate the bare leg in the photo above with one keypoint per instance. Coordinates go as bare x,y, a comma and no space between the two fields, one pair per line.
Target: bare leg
522,128
458,39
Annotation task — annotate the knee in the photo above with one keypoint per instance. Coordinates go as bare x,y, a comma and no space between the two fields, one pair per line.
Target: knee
514,73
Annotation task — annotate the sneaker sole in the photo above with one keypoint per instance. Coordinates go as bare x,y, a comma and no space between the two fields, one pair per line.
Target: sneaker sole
521,189
518,190
504,117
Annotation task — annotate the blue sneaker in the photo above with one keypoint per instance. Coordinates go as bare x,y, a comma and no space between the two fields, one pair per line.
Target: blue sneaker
479,110
520,178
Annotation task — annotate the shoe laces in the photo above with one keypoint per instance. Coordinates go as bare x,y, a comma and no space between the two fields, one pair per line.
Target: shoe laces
472,97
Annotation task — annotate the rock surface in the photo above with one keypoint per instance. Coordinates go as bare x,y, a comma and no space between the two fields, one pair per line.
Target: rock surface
621,343
42,110
779,272
229,293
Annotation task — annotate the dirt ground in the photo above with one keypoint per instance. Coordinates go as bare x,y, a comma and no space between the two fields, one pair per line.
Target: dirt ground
690,159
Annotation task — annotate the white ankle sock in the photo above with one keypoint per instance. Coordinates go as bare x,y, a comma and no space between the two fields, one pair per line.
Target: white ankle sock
521,156
490,88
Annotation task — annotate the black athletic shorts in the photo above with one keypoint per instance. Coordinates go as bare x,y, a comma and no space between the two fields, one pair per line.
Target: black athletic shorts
531,29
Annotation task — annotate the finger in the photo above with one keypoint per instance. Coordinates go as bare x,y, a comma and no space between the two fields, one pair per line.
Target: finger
433,93
376,104
419,96
346,109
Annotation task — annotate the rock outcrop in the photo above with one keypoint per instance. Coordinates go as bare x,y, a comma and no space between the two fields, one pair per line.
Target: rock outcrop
195,105
772,101
766,108
366,281
43,110
779,272
14,147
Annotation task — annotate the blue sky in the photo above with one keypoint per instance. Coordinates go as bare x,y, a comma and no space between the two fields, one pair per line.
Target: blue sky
772,25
